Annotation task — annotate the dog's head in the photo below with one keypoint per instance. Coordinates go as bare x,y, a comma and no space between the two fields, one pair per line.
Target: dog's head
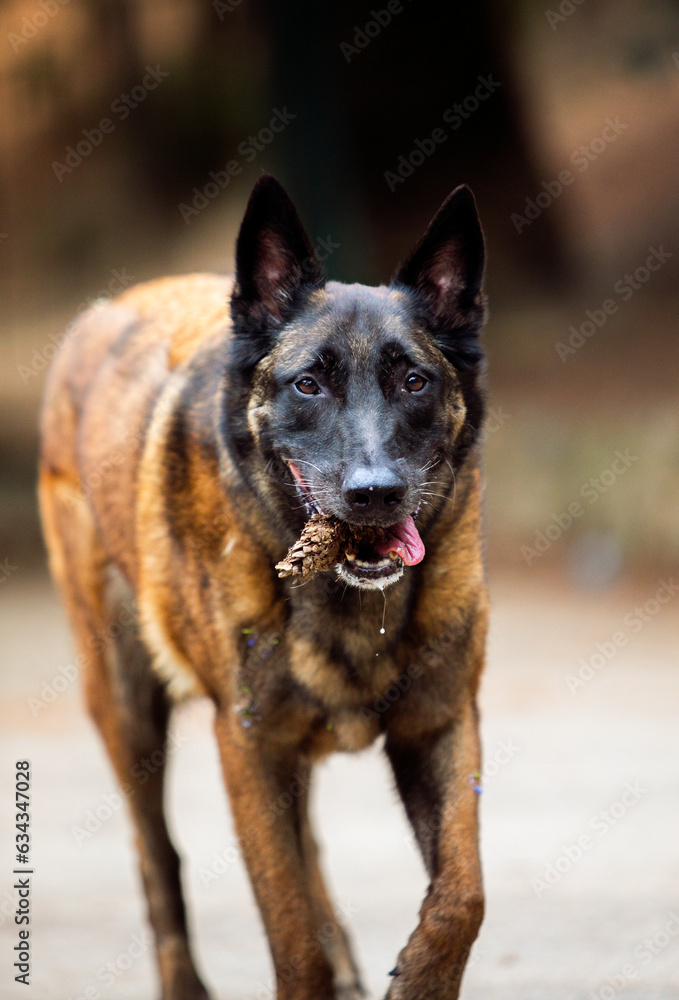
360,402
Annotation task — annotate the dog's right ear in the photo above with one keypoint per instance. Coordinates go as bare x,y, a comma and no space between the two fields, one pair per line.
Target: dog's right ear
275,267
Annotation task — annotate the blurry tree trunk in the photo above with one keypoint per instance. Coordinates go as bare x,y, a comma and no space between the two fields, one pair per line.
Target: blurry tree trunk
115,38
364,94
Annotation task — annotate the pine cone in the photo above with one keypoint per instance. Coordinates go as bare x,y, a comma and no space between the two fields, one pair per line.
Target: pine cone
323,543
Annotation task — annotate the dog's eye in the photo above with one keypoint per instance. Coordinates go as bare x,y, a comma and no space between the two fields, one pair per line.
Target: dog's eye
415,382
307,386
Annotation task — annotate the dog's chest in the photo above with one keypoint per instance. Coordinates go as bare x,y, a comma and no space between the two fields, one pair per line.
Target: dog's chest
347,671
325,696
343,642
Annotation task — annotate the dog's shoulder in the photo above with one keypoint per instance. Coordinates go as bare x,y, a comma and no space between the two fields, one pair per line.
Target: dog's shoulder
115,364
133,341
181,312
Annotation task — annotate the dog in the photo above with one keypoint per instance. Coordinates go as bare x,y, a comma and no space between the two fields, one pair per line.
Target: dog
191,427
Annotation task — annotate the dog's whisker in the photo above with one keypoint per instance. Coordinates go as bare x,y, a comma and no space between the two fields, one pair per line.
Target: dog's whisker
454,480
430,493
304,461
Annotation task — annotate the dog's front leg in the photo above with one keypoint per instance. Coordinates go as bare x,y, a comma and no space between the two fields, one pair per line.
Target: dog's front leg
435,776
261,779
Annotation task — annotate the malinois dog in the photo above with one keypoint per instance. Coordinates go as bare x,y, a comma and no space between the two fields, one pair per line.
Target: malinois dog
192,427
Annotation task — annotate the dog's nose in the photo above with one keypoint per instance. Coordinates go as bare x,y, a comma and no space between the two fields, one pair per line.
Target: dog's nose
372,490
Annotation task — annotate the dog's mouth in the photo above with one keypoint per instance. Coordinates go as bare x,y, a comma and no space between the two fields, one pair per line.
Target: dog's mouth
382,562
369,562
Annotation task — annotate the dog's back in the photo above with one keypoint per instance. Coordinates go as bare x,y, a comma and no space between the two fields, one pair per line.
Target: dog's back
114,362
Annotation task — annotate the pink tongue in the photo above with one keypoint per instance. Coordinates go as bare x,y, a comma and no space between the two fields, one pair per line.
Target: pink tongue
404,539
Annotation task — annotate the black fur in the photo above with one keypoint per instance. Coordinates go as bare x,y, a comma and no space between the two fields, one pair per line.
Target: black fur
275,271
359,345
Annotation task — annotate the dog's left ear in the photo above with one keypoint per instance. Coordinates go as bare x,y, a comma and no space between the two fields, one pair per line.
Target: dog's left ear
275,265
446,270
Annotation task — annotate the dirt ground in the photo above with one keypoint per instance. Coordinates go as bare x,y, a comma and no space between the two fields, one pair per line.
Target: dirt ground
580,808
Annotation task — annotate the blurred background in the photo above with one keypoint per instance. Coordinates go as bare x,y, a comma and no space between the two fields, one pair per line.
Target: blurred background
131,134
85,212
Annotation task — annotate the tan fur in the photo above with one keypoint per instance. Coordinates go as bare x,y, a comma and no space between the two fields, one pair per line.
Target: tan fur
202,582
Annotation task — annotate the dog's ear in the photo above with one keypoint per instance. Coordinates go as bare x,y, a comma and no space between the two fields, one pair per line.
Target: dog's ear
445,269
275,265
